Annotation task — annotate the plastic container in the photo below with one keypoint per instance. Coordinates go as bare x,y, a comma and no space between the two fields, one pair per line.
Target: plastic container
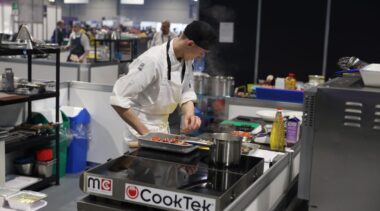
25,165
45,168
293,96
77,149
371,75
4,193
44,154
27,200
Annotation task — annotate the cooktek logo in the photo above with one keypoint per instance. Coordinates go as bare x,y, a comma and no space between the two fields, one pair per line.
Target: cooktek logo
132,192
99,185
167,199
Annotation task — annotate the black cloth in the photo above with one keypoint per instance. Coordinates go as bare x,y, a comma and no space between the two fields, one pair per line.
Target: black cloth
76,47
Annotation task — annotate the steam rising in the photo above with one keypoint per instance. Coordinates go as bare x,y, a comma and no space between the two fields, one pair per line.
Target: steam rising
215,15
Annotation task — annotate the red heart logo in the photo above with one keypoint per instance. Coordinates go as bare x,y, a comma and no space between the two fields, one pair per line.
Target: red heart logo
132,192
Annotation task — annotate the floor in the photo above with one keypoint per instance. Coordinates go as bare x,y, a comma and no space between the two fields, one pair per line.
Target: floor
65,196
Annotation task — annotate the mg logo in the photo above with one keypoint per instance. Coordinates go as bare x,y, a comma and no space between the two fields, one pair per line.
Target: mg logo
99,185
106,184
132,192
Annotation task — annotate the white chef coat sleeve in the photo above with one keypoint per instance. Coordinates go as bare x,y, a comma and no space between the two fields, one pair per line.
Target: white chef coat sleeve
142,73
188,93
85,42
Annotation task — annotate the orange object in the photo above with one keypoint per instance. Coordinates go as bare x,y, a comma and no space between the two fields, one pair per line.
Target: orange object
156,138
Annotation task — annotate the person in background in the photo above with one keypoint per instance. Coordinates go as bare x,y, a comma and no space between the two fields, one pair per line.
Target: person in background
59,33
164,35
159,80
78,45
91,33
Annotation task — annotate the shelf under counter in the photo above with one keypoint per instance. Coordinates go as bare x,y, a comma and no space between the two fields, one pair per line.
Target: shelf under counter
27,98
34,141
41,184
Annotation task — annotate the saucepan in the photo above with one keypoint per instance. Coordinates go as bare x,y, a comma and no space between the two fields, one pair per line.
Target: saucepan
225,150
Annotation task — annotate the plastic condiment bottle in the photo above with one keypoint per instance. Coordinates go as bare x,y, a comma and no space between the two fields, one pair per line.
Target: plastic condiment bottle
277,136
290,82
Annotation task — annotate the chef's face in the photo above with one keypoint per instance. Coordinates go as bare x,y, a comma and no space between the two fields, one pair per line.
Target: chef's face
194,51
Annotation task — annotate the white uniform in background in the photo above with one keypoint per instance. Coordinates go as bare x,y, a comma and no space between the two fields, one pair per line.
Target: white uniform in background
159,38
147,90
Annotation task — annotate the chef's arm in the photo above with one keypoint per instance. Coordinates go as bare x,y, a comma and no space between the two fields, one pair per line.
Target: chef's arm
131,119
85,42
187,108
83,56
189,120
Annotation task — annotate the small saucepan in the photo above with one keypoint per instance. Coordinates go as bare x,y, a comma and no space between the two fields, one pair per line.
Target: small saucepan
225,149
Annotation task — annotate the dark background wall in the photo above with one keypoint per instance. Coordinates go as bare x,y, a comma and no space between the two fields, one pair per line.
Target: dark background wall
292,36
354,31
237,58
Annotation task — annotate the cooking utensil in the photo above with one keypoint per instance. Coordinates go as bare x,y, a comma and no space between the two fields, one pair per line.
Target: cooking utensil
225,150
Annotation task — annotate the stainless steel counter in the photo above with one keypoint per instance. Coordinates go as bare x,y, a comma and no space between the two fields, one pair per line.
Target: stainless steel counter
101,73
235,106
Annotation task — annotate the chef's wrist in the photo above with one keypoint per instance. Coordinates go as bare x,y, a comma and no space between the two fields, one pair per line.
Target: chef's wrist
144,131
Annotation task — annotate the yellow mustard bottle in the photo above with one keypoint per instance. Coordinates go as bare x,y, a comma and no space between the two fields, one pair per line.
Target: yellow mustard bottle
277,136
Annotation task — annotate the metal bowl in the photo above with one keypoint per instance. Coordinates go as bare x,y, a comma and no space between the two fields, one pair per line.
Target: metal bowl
25,169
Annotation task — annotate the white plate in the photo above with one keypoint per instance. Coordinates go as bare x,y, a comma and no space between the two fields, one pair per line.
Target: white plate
267,115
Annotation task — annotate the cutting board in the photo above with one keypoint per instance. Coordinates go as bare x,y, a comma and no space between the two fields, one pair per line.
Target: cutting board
240,123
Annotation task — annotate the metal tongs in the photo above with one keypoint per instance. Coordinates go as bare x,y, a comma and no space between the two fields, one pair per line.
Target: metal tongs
197,141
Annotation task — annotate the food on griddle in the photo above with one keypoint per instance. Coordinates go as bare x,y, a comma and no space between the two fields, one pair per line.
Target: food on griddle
241,134
156,138
174,140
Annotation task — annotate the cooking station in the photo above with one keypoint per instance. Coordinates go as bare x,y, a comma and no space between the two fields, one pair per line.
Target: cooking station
145,179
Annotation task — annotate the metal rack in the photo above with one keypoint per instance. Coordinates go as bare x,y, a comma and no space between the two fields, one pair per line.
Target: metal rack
126,47
5,146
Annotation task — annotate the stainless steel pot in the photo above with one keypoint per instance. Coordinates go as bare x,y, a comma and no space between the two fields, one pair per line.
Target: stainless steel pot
225,150
218,86
201,82
230,86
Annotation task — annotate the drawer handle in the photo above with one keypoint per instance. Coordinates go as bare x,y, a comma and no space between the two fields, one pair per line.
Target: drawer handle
348,117
351,124
354,104
355,111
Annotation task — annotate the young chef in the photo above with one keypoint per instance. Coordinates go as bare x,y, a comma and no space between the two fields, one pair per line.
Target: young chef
159,80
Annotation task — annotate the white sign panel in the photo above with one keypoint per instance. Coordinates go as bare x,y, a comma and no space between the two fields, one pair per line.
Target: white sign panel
75,1
99,185
167,199
139,2
226,32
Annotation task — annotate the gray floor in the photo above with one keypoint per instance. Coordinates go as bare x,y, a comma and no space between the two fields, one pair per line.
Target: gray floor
64,197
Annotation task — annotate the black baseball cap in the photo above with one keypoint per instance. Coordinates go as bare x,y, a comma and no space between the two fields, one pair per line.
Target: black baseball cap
201,33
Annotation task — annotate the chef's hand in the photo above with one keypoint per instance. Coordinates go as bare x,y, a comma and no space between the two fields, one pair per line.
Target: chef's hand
189,123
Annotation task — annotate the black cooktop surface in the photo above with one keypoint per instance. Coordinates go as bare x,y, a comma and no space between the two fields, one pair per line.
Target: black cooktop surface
191,172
